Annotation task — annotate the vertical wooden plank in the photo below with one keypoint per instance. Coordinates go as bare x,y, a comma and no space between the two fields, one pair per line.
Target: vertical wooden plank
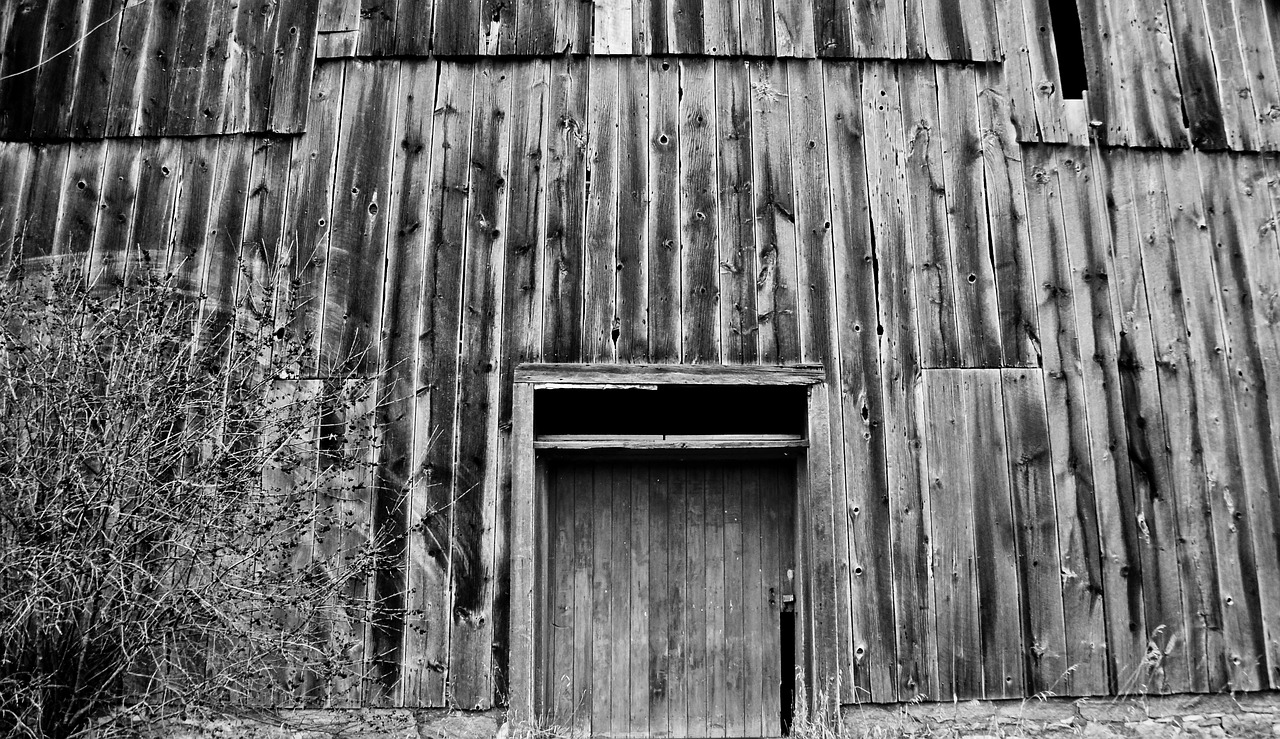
475,472
664,210
217,72
599,258
291,72
720,22
946,433
566,186
933,274
339,15
776,250
700,286
184,90
561,626
778,568
1006,204
15,179
155,202
818,341
1239,118
395,665
832,28
1031,476
977,309
716,600
1083,586
601,583
78,206
535,32
376,35
1241,648
734,645
264,219
1154,98
587,687
1000,606
1201,602
641,30
572,27
522,295
696,603
878,29
1200,93
619,594
158,72
54,91
455,28
687,27
757,27
1251,20
611,29
261,49
793,29
862,496
678,599
195,172
354,266
632,303
660,610
640,592
97,56
899,374
1149,461
1088,246
1109,82
738,327
755,599
113,238
1241,225
45,188
431,491
413,19
22,52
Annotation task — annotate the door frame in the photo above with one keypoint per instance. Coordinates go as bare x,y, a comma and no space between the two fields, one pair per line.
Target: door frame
818,606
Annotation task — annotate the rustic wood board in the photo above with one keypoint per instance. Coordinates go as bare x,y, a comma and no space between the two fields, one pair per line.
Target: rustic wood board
1153,480
78,204
475,476
1110,86
566,202
54,90
663,260
1072,460
1199,85
776,249
899,374
112,239
15,179
737,253
632,302
699,260
599,261
95,65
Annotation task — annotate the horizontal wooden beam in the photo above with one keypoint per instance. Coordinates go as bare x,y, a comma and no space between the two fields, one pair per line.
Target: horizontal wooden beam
671,441
668,374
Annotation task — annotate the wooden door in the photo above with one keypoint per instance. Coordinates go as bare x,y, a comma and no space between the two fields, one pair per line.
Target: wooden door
667,586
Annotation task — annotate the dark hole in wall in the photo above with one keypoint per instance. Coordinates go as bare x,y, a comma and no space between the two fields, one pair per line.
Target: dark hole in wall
672,409
1070,47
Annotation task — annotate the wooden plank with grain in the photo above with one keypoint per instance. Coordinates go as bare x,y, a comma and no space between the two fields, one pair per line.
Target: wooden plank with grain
45,186
974,276
20,71
394,670
611,27
1088,248
737,267
699,238
603,575
735,634
431,490
184,88
585,689
572,27
1145,427
754,600
566,204
599,260
1006,203
632,301
1235,92
864,509
694,634
455,28
640,591
688,27
191,217
1070,453
216,73
1000,605
1251,19
833,28
1241,224
113,237
55,85
1035,522
661,662
721,36
475,477
878,29
619,595
1155,98
777,302
932,271
1109,84
293,68
15,184
756,23
717,604
916,643
663,257
1197,566
676,650
535,26
946,429
1200,91
79,204
87,117
793,29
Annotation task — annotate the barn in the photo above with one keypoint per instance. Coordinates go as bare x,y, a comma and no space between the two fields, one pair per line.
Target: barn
899,351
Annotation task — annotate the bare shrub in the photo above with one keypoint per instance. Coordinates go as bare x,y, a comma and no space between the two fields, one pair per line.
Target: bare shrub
176,491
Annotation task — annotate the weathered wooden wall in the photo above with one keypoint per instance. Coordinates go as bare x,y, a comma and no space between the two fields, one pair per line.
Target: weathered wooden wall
1056,365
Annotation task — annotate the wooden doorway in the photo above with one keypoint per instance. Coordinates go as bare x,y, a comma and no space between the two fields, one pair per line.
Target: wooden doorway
670,600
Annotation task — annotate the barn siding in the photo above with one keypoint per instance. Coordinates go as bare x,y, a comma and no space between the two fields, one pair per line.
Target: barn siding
1101,322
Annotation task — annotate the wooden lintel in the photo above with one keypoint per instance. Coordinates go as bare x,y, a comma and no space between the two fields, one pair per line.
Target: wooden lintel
668,374
681,441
